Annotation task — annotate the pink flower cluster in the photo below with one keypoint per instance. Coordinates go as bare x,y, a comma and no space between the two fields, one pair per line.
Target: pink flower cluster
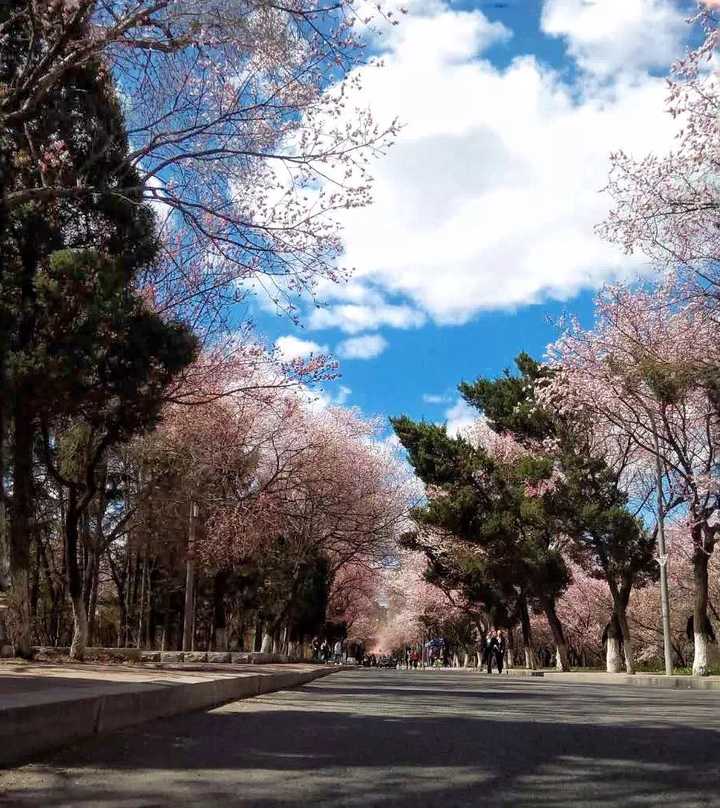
55,156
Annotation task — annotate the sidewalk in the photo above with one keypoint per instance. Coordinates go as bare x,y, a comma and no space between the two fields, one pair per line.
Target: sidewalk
656,680
44,705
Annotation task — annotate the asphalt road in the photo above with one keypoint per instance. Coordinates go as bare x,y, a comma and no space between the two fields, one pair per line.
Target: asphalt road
393,738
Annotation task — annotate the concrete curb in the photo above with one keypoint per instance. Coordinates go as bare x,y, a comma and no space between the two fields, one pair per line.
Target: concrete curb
142,655
651,680
636,680
31,730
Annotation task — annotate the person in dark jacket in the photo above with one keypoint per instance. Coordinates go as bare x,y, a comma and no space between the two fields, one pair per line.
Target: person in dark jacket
491,645
500,647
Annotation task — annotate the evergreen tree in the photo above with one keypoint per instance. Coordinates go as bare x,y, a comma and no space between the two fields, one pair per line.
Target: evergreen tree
512,553
588,504
85,362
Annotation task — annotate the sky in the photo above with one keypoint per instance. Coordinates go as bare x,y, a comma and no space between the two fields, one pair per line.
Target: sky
481,235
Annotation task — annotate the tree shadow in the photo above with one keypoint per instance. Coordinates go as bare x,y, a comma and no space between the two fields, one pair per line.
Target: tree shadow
354,746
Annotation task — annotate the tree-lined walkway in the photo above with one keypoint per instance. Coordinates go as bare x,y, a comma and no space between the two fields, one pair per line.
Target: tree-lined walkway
402,738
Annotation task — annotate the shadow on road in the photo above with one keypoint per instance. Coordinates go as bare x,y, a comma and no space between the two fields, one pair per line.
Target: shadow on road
404,744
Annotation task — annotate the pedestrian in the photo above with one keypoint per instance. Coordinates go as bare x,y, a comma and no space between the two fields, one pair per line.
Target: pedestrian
315,646
338,652
500,647
490,650
324,651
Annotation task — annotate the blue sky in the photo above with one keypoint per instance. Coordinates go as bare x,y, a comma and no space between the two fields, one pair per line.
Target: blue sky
482,235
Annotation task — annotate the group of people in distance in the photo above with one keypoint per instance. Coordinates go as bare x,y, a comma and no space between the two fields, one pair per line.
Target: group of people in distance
494,650
325,651
492,653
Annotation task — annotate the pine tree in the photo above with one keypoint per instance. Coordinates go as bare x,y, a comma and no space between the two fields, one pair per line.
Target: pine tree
512,555
588,503
85,361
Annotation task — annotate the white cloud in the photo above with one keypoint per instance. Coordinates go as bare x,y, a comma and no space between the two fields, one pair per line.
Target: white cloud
368,346
433,398
353,318
490,197
342,395
163,211
318,400
291,347
608,36
460,417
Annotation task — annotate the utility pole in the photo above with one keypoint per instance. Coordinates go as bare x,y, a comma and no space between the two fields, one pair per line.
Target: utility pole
189,616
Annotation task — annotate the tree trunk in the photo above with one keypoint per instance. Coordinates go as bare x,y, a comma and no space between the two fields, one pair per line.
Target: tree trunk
5,579
627,640
20,527
612,656
130,584
149,611
621,597
92,606
555,625
510,663
219,618
80,629
75,587
530,656
35,584
702,640
141,604
189,613
267,643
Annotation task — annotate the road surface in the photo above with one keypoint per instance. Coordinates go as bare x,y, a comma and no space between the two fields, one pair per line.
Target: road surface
393,738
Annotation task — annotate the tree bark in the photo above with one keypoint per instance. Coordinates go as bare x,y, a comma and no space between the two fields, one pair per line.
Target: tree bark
141,606
219,619
701,655
5,580
628,647
189,613
530,656
75,584
620,604
80,629
20,527
557,632
613,661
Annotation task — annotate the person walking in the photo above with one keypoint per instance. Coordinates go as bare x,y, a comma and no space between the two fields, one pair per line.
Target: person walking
491,650
500,648
338,652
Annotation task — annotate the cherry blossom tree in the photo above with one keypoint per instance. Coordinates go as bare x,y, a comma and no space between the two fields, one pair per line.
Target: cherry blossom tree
645,603
647,373
666,206
409,598
274,476
247,133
